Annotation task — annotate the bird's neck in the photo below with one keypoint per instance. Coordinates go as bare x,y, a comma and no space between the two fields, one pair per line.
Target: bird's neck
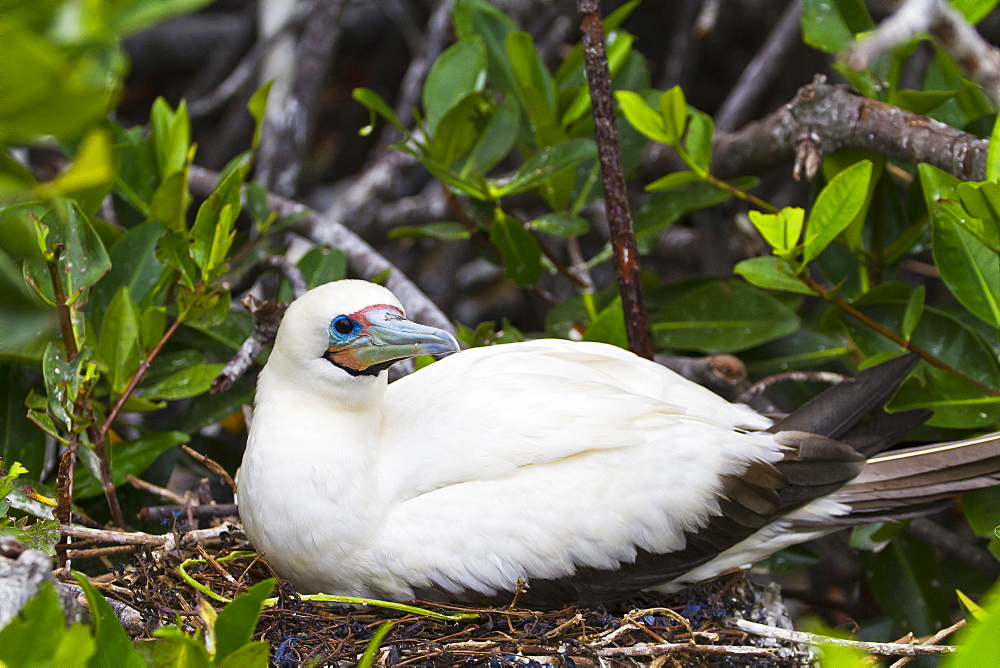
308,479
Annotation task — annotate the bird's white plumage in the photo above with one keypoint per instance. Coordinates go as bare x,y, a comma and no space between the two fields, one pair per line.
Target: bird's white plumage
525,460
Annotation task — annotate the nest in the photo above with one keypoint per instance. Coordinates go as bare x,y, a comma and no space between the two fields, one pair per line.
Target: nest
690,628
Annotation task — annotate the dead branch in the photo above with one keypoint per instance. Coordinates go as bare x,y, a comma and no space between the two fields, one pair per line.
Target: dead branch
266,318
824,118
761,71
202,511
287,129
979,58
880,648
364,259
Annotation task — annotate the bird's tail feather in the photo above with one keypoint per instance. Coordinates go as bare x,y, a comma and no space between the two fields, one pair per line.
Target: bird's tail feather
903,483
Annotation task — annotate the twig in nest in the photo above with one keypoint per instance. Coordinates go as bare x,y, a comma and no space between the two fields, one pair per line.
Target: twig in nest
212,466
933,640
880,648
162,492
203,511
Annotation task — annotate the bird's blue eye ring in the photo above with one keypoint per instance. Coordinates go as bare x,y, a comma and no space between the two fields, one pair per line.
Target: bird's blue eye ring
342,325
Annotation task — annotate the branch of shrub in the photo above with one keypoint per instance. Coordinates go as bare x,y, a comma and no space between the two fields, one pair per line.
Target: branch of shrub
829,296
824,118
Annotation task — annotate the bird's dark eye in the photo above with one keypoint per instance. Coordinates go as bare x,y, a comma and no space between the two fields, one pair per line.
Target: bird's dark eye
343,325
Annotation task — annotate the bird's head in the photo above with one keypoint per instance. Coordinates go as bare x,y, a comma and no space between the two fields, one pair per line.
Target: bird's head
351,328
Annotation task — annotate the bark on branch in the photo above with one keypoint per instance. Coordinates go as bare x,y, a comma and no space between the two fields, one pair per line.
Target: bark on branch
824,118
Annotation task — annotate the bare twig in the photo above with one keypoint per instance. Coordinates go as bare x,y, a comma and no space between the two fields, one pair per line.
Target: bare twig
212,466
288,128
162,492
202,511
761,71
975,55
824,118
266,319
791,376
933,640
879,648
364,259
931,359
626,254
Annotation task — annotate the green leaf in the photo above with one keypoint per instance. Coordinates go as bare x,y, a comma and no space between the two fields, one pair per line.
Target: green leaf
476,17
133,265
673,110
376,105
978,641
207,308
718,315
88,179
772,273
830,25
969,269
257,106
520,250
560,224
118,345
919,101
459,71
131,457
982,201
698,140
113,646
664,209
956,403
235,624
459,129
974,10
674,180
172,250
914,309
186,383
982,509
495,139
804,349
906,580
781,230
609,326
140,14
20,440
83,259
251,655
322,264
643,117
541,166
443,231
37,635
173,649
836,207
171,134
993,153
534,87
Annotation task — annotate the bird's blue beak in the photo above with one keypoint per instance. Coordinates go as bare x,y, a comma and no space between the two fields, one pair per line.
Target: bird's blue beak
377,337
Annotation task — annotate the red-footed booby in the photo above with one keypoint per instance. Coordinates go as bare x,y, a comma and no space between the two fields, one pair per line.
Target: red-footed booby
585,470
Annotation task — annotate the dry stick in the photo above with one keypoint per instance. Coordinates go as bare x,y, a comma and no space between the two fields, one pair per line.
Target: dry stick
761,71
933,640
979,58
892,336
626,254
282,152
880,648
266,319
824,118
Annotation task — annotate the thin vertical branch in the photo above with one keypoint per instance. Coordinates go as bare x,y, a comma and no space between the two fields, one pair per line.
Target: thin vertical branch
626,254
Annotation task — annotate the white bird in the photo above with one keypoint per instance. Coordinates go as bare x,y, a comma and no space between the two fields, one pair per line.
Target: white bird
585,470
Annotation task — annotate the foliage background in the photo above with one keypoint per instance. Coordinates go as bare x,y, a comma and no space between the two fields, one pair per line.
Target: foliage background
121,257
